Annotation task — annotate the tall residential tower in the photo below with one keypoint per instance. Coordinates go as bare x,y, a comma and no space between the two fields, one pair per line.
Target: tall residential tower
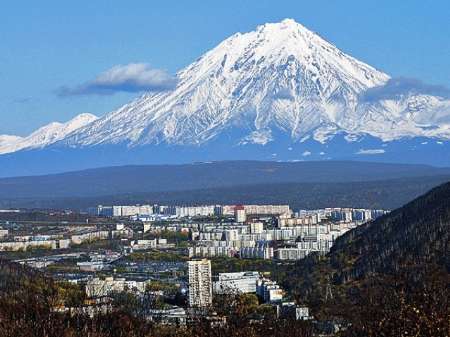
200,284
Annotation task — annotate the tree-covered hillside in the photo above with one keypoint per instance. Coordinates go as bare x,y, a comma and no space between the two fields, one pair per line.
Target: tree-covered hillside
388,276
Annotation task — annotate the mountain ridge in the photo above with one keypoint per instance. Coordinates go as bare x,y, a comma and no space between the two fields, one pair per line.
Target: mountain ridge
379,194
280,76
45,135
280,92
226,174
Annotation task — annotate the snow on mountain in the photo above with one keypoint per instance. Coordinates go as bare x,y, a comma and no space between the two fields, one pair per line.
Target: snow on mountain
410,115
8,143
45,135
279,76
279,79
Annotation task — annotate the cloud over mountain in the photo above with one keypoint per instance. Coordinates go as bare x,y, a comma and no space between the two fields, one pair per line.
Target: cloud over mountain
133,77
396,87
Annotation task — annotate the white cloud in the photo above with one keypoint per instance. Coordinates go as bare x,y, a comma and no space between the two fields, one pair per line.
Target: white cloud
133,77
371,151
397,87
306,153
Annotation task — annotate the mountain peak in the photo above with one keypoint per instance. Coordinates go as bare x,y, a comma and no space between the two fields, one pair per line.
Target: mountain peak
279,81
287,23
286,36
45,135
272,77
80,120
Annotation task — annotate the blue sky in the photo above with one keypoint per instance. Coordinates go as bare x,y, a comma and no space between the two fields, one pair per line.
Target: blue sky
46,45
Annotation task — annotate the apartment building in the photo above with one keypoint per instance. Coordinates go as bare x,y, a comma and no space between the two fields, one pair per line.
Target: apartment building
200,283
240,282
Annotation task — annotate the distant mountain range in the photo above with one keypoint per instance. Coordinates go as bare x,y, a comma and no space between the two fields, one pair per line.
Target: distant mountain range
280,92
301,184
44,136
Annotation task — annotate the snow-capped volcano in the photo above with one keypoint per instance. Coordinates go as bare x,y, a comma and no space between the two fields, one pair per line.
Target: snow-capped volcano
279,92
279,77
45,135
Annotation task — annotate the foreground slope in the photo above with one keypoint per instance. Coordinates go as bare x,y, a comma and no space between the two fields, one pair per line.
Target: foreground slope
417,233
389,277
413,237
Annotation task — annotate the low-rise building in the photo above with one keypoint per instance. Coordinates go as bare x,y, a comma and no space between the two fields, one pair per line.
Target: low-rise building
256,227
240,282
268,290
31,243
89,236
173,315
240,214
293,311
103,287
261,251
3,233
291,253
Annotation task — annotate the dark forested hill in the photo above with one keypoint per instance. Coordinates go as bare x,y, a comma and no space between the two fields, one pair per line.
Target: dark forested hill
415,234
163,178
384,194
388,275
301,185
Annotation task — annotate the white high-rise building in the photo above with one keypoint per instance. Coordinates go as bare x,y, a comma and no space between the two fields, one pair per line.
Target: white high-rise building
239,214
200,284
